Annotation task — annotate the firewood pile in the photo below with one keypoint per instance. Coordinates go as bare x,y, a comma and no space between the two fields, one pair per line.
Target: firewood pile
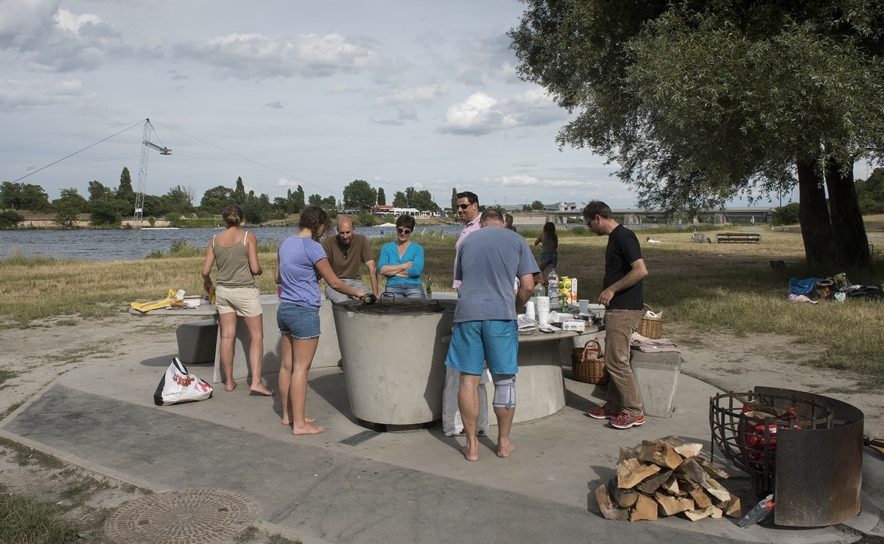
666,477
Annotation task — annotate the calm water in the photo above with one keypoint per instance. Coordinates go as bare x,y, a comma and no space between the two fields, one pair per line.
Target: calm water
132,244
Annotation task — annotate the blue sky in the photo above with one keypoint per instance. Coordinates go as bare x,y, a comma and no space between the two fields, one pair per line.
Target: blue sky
284,93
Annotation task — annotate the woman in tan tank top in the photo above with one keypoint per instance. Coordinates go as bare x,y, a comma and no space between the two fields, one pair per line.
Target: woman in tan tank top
235,252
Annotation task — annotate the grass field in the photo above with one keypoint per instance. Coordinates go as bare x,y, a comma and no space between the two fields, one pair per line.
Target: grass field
728,286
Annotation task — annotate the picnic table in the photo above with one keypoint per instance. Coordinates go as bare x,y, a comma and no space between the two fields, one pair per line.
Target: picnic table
738,238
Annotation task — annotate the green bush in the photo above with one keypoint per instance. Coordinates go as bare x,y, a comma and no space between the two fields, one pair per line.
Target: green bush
785,215
9,219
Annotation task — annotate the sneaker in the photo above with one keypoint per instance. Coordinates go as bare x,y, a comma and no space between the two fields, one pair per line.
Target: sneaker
600,412
625,421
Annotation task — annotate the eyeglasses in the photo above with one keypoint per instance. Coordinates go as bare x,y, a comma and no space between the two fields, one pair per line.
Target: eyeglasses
463,206
403,231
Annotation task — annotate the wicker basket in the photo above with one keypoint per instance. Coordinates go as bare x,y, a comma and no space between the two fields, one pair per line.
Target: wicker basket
651,327
588,364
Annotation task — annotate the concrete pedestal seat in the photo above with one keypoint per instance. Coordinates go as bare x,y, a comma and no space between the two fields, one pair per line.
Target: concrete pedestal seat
197,340
394,360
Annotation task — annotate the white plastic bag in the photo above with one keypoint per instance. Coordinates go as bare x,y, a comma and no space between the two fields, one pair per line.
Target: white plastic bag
178,385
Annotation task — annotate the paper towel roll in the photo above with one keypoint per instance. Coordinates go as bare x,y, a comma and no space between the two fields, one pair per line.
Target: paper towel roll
529,310
542,310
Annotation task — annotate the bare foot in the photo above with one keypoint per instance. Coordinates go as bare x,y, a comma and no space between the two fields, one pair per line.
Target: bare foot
289,423
261,390
308,428
230,386
505,449
468,455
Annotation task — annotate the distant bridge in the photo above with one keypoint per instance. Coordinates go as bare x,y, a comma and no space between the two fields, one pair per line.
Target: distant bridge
631,216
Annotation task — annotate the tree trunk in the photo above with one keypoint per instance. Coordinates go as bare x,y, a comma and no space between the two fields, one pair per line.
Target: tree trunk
849,238
816,229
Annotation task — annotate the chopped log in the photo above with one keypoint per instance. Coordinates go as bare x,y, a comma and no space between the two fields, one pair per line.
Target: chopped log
651,485
713,469
701,499
685,449
659,453
693,473
671,486
716,490
624,498
626,453
630,472
716,512
606,507
670,506
700,513
684,484
731,507
689,450
645,509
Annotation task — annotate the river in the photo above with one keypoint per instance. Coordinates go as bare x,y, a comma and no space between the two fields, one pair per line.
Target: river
127,244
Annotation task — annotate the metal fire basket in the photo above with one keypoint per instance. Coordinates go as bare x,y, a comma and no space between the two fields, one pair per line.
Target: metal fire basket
804,448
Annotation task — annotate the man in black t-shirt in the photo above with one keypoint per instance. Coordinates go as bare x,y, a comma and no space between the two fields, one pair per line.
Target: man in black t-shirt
622,296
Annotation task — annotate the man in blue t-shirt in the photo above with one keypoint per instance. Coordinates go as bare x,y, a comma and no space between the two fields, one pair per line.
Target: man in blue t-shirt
622,296
485,328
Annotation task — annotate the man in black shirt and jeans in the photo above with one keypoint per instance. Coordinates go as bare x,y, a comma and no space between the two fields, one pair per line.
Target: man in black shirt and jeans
622,296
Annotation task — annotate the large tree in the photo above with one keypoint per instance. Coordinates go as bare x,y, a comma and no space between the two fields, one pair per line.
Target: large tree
23,196
215,199
382,197
68,206
125,191
360,195
700,102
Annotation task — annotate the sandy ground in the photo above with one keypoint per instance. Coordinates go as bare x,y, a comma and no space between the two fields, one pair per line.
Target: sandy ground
43,351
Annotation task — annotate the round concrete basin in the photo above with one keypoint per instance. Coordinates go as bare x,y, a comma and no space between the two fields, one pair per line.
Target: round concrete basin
394,358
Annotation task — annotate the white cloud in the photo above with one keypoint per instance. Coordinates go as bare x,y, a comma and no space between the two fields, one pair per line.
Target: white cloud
17,95
22,20
405,101
261,56
478,114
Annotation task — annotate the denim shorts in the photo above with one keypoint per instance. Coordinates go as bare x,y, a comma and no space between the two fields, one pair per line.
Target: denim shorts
474,343
301,322
404,291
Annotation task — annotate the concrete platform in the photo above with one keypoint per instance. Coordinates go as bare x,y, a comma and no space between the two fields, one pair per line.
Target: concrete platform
411,486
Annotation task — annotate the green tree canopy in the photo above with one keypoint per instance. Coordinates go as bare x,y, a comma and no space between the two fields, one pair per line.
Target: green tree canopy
68,206
99,192
23,196
870,192
537,205
215,199
382,197
700,102
125,191
399,200
360,195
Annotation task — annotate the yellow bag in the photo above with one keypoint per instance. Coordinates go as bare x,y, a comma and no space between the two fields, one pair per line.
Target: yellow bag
171,298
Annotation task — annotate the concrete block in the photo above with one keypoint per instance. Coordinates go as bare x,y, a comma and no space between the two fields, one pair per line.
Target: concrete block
657,378
197,341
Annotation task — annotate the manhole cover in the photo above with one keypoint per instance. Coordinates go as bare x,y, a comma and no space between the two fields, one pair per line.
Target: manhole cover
184,516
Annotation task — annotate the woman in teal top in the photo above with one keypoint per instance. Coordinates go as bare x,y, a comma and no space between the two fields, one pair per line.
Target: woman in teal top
402,262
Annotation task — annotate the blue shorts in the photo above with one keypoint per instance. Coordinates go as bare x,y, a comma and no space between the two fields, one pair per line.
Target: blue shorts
474,343
405,291
301,322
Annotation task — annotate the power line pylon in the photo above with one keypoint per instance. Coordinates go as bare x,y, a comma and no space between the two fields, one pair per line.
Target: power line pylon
146,146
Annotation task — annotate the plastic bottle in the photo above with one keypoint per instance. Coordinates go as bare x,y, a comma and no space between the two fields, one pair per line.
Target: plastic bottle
553,288
539,290
758,512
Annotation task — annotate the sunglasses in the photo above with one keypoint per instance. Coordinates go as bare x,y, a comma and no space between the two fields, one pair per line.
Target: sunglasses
403,231
463,206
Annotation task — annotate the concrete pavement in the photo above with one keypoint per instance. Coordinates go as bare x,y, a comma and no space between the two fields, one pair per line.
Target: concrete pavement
349,485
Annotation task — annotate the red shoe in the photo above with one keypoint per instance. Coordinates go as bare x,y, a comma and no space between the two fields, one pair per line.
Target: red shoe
626,421
600,412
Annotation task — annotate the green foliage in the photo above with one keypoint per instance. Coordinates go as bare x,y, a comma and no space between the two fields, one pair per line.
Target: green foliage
68,206
870,193
125,191
382,197
23,196
399,200
358,194
105,213
98,192
178,200
537,205
366,220
9,219
785,215
215,199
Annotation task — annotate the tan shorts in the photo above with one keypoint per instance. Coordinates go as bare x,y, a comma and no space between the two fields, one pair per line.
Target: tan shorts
245,301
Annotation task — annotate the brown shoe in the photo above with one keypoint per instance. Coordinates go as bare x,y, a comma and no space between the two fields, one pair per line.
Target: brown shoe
600,412
626,421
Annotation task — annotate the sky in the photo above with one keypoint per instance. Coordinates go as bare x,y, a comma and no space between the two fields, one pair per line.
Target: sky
401,94
284,93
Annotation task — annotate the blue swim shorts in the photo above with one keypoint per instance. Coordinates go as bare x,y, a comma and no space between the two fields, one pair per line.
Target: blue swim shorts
474,343
301,322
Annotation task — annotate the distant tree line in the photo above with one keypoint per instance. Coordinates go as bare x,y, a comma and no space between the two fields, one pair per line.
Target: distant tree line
108,206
